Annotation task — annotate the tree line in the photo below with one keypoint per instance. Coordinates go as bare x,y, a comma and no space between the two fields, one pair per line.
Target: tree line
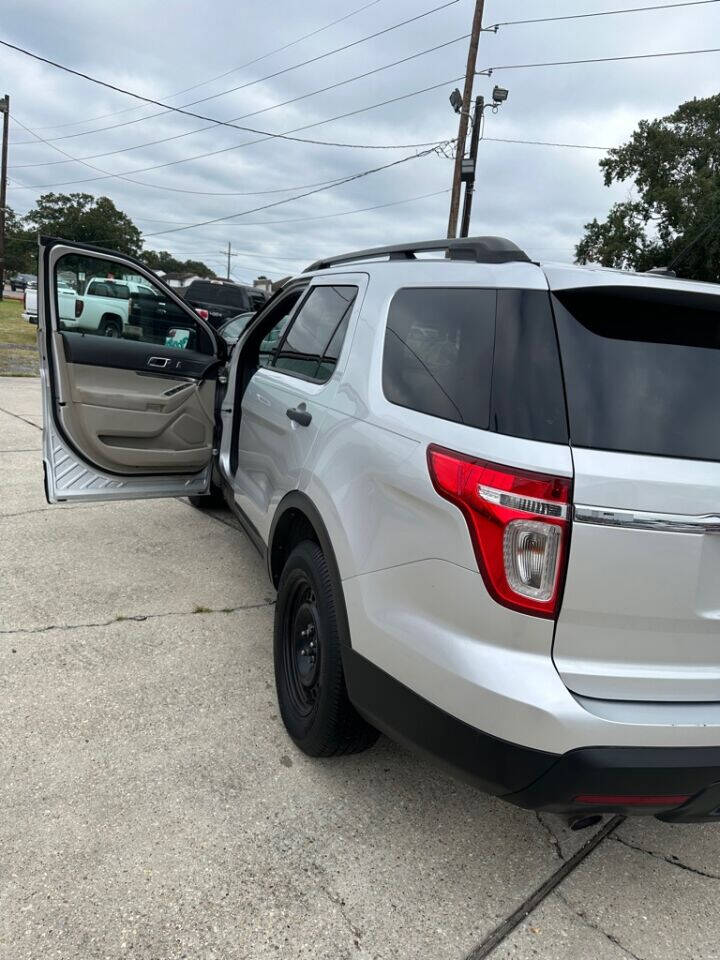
88,219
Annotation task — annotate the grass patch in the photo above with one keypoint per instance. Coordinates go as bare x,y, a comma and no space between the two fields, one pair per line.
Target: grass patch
18,353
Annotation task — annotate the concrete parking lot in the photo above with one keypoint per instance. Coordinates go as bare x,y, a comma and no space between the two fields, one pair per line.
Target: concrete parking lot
153,806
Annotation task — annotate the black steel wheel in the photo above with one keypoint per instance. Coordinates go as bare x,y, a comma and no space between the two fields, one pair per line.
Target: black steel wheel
309,678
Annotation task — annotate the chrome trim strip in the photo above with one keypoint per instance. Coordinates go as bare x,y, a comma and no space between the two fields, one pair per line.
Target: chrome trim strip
535,506
642,520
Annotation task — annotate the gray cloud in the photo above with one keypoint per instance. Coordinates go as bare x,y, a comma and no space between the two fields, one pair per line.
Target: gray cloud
538,196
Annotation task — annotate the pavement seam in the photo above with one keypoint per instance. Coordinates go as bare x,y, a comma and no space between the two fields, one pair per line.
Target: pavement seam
52,509
493,940
673,861
138,618
18,417
593,925
22,450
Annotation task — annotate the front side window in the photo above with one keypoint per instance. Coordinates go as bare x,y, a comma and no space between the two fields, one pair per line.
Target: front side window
438,352
312,345
118,308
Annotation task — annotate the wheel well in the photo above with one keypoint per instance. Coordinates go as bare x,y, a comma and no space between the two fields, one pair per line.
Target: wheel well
111,318
293,527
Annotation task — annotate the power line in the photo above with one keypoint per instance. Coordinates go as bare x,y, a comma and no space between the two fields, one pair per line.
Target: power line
227,73
264,135
301,196
167,108
323,216
189,133
548,143
600,13
277,203
247,143
564,63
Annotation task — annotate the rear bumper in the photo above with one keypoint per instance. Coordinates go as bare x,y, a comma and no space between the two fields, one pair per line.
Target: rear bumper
678,784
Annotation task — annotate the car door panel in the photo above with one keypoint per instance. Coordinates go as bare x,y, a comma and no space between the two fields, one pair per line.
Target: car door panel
125,418
284,407
272,448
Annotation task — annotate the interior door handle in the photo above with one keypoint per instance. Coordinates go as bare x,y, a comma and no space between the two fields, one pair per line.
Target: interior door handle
299,416
158,361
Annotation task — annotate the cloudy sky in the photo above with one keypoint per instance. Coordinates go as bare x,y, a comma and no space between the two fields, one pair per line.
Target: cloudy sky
166,170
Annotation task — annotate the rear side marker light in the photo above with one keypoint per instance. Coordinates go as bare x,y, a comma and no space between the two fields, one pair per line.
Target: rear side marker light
519,526
632,800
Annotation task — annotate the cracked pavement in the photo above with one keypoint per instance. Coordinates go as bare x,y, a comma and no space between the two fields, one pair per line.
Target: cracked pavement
154,808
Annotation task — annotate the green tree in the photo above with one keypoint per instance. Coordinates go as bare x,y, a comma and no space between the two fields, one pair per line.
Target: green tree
80,216
165,261
20,246
674,162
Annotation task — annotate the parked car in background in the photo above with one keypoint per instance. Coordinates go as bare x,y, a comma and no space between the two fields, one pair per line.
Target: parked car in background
222,299
21,280
233,329
487,491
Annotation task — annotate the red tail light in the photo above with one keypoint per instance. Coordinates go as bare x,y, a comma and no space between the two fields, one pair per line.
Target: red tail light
79,304
519,525
202,313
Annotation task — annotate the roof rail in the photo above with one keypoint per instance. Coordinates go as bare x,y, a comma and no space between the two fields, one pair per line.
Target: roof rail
475,249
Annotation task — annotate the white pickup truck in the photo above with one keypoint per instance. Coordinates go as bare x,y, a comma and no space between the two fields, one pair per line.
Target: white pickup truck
104,306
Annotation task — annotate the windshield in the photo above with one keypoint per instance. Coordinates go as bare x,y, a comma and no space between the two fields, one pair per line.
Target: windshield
233,328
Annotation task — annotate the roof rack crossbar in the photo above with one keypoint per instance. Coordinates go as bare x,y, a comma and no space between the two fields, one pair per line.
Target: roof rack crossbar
475,249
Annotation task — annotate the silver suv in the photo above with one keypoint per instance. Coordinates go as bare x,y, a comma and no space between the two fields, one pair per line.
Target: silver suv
487,491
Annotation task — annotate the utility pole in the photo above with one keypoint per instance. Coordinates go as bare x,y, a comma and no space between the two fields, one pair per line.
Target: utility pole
464,115
5,110
471,165
229,255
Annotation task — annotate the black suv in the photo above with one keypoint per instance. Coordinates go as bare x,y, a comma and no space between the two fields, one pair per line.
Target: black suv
223,299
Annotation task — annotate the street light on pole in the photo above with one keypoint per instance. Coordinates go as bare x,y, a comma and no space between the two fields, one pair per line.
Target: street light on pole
469,164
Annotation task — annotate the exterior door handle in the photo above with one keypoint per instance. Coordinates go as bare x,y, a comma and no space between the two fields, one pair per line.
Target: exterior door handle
299,416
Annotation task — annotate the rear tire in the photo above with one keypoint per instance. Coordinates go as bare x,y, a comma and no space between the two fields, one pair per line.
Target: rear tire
309,677
110,327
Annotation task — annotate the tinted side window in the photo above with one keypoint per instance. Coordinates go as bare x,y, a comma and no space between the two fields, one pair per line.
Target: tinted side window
439,351
306,347
527,388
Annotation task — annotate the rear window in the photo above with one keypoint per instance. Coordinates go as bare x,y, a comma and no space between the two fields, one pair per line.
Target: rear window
223,294
439,352
642,370
107,288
